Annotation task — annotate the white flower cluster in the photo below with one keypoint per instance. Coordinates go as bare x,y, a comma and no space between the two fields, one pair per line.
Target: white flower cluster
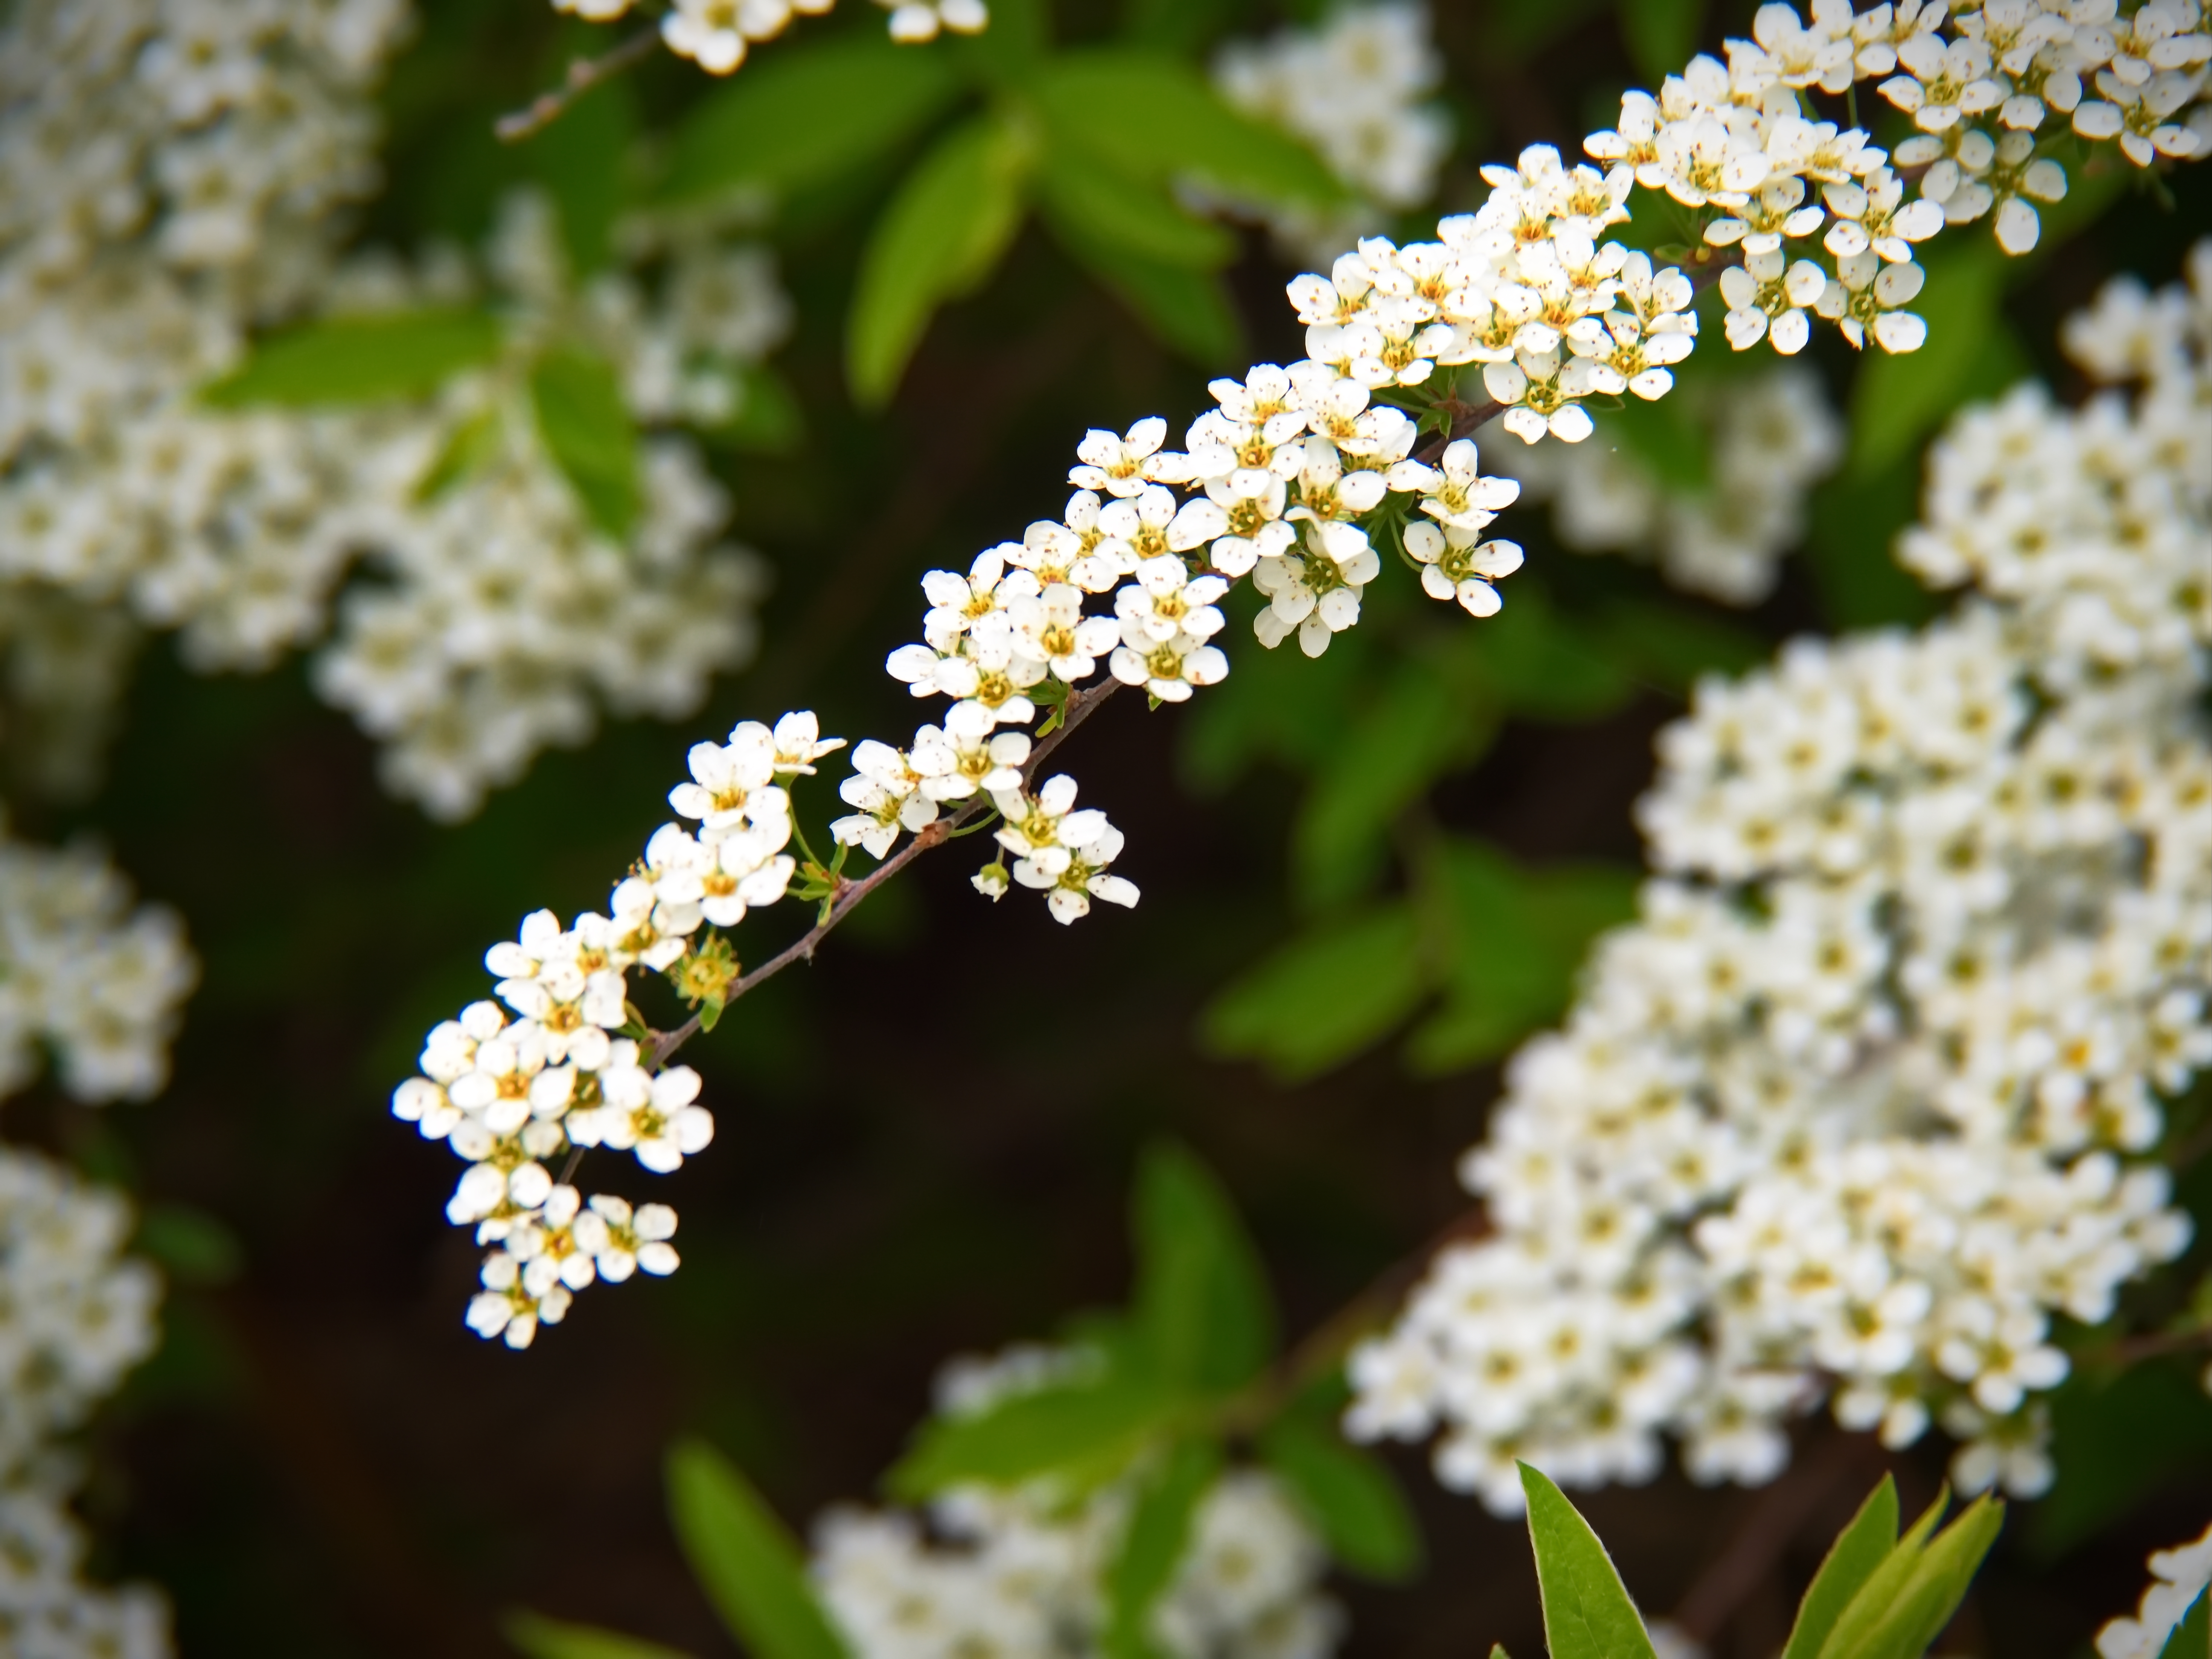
173,175
716,35
83,977
75,1315
1862,1103
1353,88
560,1068
2178,1576
1022,1572
1770,436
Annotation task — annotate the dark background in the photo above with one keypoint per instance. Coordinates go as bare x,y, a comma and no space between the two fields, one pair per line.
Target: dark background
324,1460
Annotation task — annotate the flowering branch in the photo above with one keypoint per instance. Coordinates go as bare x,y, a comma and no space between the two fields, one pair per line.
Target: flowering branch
584,73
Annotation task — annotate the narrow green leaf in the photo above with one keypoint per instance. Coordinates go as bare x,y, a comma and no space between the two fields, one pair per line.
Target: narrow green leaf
1085,1427
1188,311
1936,1585
470,446
1865,1610
1351,1497
2192,1637
744,1558
1331,992
809,112
1896,401
710,1013
1152,1545
939,237
352,360
586,428
1006,56
1858,1550
539,1637
1156,118
1497,1651
583,158
1201,1304
1587,1611
1659,35
1134,214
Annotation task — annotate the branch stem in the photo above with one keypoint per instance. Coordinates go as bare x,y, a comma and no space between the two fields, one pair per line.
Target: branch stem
584,73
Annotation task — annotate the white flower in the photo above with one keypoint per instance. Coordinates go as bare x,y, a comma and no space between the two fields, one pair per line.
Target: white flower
967,755
1070,886
888,792
1041,829
1761,288
708,33
1051,628
1464,499
1313,591
1863,300
1455,565
651,1113
733,785
1166,600
1942,83
1167,668
1875,215
916,23
1252,502
1116,466
2178,1576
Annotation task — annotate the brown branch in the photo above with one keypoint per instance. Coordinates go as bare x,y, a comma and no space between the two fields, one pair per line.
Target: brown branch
850,895
2150,1345
584,73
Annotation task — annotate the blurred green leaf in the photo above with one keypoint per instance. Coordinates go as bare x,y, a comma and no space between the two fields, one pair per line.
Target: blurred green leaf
1859,1549
1587,1611
1188,311
1156,118
2192,1637
1350,1495
1134,214
1095,1424
744,1558
2119,1439
768,420
1540,663
586,428
539,1637
939,236
190,1245
1517,936
1182,27
583,160
1418,728
1202,1305
351,360
1874,1599
1661,35
470,444
1896,401
1666,436
1152,1545
1331,992
1670,645
1279,705
1008,54
1855,522
808,112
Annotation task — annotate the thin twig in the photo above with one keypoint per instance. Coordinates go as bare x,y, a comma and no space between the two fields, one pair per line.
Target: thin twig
2151,1345
584,73
1076,710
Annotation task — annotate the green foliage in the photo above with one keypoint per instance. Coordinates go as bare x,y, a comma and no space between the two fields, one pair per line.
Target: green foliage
191,1246
1587,1611
1661,35
2120,1438
1901,1606
1896,401
1153,1543
538,1637
584,161
1155,117
2192,1637
586,428
1517,935
767,421
1351,1497
807,113
471,445
744,1558
357,359
1134,214
939,237
1093,1427
1179,26
1542,663
1859,1549
1188,311
1202,1310
1331,992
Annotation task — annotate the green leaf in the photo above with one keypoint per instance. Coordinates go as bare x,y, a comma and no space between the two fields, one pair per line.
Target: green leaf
744,1558
809,112
1587,1612
1320,999
1855,1624
1094,1425
1182,27
586,428
1517,935
1156,118
471,445
1188,311
1542,663
538,1637
939,237
2120,1439
1152,1545
1007,55
1934,1588
1420,727
354,360
191,1246
2192,1637
583,159
1134,214
1666,436
1858,1550
1896,401
768,420
1351,1498
1202,1305
1671,645
1661,35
